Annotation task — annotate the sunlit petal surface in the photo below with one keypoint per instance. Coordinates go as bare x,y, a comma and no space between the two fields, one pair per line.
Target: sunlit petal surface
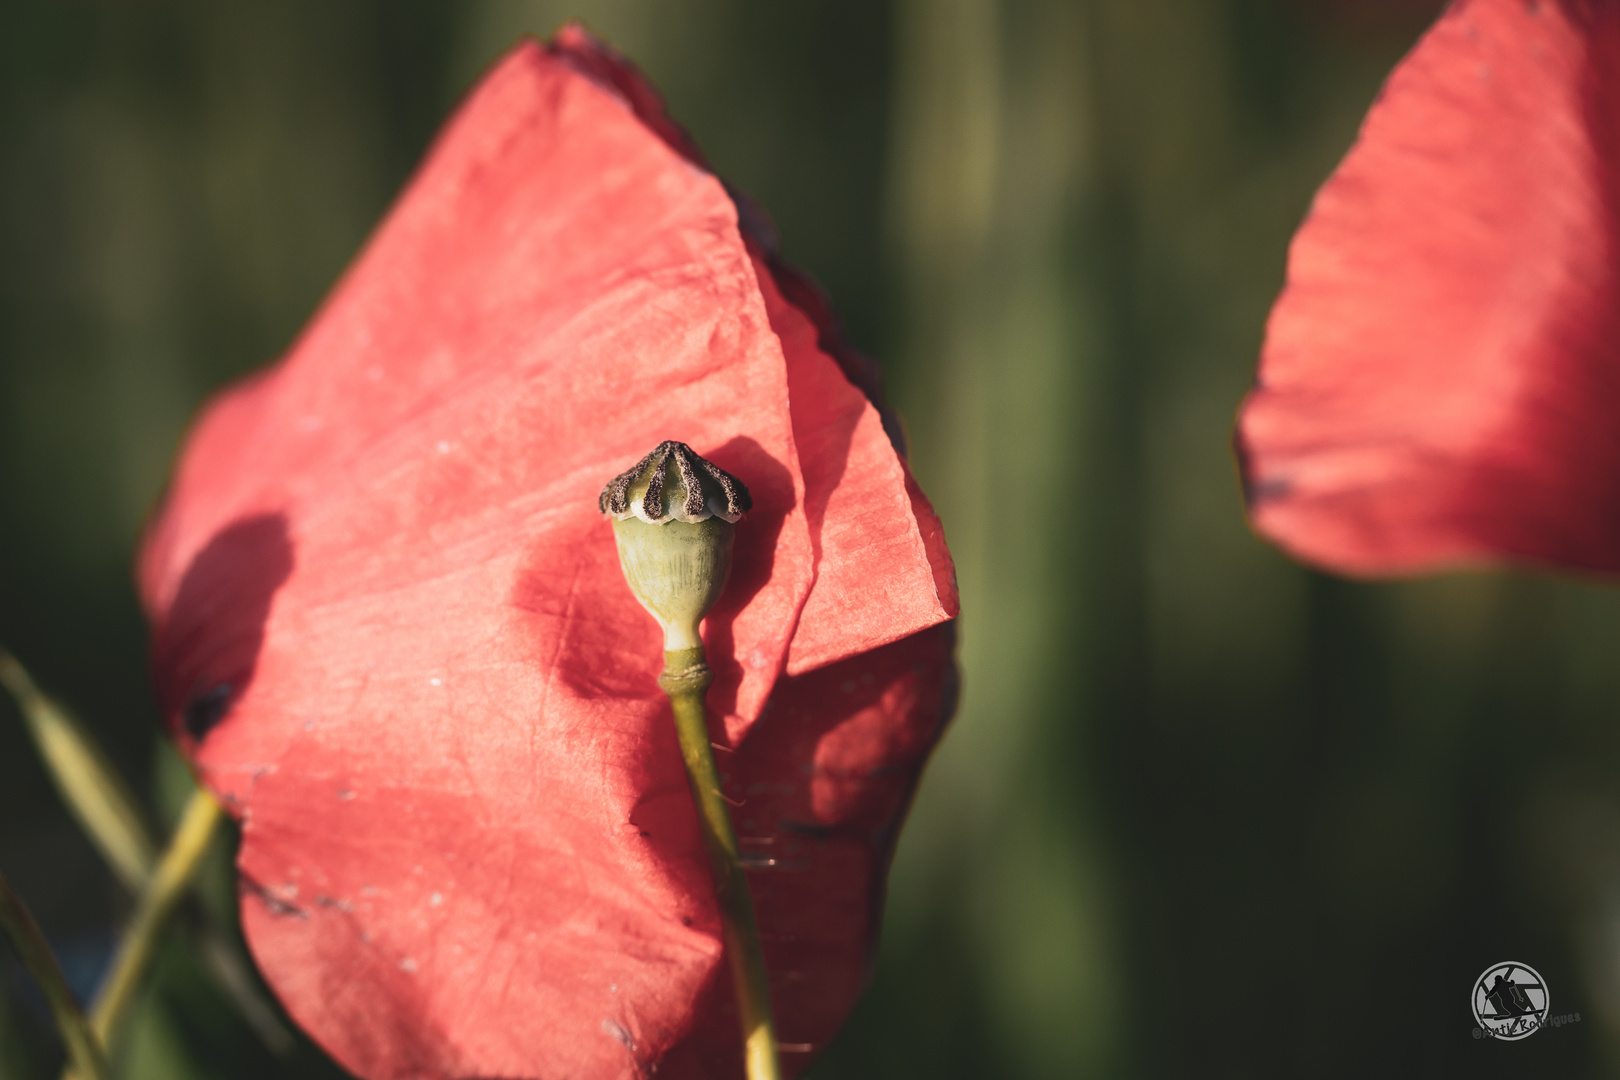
392,632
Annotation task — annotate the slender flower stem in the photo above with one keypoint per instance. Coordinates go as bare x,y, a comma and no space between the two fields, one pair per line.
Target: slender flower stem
686,680
169,883
84,1051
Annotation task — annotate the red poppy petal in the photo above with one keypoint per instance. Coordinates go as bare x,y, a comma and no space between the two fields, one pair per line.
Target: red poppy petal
1438,383
882,571
390,621
391,629
825,779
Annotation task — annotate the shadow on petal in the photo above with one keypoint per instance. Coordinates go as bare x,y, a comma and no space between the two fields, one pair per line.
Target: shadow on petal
208,645
752,562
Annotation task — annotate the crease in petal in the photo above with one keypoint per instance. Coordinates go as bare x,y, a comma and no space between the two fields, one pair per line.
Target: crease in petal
882,571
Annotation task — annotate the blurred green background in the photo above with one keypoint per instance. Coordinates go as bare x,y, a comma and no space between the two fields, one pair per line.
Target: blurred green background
1203,812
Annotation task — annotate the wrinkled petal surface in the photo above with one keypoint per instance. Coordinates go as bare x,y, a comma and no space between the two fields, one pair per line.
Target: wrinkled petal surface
391,630
1440,381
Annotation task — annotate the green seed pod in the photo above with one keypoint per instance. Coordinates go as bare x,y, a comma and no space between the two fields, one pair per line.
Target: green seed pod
673,516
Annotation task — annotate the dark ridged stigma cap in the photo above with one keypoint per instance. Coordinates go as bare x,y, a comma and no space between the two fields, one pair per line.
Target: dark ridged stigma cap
673,483
673,518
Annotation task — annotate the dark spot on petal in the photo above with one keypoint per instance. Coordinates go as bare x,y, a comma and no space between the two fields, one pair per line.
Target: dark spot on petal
207,641
618,1032
204,712
1265,489
272,903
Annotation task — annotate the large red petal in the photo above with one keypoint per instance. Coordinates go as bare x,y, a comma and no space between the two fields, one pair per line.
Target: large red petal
466,829
1440,381
391,629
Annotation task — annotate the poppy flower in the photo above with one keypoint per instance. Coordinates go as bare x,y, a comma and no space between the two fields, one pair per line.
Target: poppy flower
1440,382
391,632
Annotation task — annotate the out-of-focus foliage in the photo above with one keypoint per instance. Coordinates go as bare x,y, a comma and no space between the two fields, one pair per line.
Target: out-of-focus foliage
1203,813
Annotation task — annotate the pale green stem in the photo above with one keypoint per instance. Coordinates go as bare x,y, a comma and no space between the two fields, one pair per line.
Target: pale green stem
169,883
102,804
686,680
84,1052
88,782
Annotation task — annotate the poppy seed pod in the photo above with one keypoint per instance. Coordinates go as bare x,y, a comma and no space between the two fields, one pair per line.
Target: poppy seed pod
673,516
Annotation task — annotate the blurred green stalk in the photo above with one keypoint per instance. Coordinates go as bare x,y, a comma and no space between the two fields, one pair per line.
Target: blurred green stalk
107,811
91,787
85,1056
169,883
